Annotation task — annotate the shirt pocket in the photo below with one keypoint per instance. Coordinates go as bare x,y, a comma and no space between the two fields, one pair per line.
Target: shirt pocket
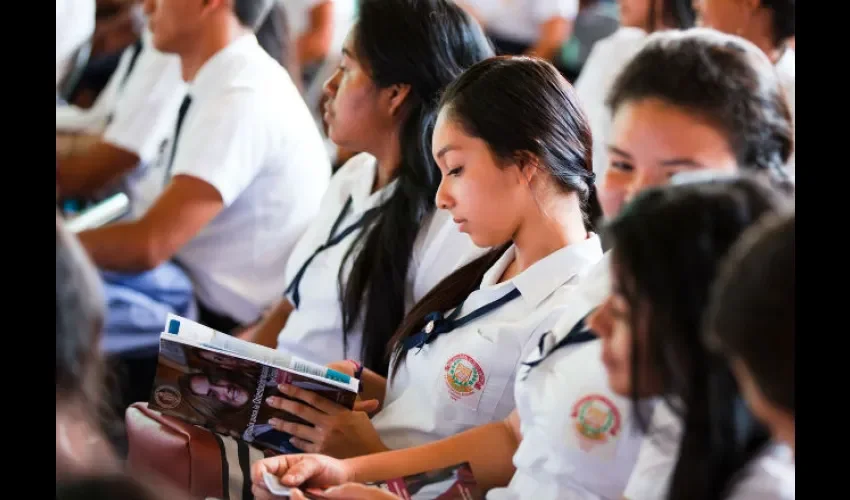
473,379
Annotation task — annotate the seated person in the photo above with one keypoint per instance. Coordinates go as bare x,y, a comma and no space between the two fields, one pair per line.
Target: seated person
231,192
109,146
753,307
531,27
74,27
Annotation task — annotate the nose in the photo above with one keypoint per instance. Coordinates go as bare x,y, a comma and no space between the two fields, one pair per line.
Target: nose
331,84
443,199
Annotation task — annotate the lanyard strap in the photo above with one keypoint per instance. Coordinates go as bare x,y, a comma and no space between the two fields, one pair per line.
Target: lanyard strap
579,334
181,115
333,239
437,324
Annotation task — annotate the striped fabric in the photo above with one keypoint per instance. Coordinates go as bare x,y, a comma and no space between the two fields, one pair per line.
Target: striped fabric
236,459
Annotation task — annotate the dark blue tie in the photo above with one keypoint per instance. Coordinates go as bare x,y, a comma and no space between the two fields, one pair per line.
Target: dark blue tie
579,334
333,239
436,324
184,108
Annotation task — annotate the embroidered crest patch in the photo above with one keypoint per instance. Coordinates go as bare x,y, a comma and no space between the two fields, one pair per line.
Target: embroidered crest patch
464,376
595,419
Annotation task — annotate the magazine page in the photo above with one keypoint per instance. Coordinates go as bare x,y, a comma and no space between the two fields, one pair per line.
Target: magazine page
204,335
227,393
452,483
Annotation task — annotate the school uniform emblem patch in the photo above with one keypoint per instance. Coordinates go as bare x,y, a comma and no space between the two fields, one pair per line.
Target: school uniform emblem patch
596,420
464,376
167,397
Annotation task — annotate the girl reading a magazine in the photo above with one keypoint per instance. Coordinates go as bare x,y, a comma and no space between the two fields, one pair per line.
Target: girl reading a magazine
378,243
734,117
520,191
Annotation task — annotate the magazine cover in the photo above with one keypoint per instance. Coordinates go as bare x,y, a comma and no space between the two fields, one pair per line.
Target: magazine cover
227,393
452,483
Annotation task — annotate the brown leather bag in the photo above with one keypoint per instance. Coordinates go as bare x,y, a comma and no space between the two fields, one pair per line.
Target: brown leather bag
192,458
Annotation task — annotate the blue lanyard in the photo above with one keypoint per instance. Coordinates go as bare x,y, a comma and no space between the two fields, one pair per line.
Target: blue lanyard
437,324
333,239
579,334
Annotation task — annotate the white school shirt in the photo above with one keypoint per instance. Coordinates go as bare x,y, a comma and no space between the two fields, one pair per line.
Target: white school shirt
769,476
74,26
607,59
464,378
786,71
578,438
520,20
248,134
313,331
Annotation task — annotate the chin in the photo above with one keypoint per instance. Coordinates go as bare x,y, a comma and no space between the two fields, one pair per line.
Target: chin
619,386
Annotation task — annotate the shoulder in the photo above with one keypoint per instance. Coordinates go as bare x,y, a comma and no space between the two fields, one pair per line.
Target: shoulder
770,476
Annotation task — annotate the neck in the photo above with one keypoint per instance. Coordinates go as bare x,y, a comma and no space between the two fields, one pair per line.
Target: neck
760,33
210,41
547,231
388,160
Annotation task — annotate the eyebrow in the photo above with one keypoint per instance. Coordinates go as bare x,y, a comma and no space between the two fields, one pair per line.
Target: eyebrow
445,150
673,162
616,150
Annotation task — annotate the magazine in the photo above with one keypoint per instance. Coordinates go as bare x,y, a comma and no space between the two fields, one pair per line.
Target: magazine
208,378
451,483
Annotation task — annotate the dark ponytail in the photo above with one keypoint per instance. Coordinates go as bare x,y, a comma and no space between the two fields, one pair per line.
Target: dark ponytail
425,44
492,101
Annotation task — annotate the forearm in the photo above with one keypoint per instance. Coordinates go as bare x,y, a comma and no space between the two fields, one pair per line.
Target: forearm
122,247
374,386
553,35
270,326
312,48
489,449
90,165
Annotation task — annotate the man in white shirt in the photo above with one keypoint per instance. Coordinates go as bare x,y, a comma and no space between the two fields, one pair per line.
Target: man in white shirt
74,26
231,192
125,129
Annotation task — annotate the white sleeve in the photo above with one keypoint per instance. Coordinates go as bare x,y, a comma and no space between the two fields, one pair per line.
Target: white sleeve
224,143
146,109
650,478
543,10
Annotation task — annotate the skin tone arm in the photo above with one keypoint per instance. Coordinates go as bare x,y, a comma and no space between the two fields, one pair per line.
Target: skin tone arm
266,331
186,206
315,43
553,34
90,164
489,449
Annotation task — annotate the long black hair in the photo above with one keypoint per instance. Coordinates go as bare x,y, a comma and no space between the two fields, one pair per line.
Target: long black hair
425,44
668,245
753,317
491,101
724,80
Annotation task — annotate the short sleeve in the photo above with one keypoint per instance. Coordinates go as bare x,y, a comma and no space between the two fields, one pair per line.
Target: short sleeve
146,109
224,143
544,10
650,478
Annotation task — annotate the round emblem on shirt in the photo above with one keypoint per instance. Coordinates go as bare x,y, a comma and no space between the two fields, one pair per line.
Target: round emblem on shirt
596,419
464,376
167,396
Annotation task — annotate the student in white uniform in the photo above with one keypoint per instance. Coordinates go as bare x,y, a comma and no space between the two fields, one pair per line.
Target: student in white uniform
74,27
668,244
770,25
378,244
532,27
113,143
516,182
638,18
232,191
661,127
752,321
